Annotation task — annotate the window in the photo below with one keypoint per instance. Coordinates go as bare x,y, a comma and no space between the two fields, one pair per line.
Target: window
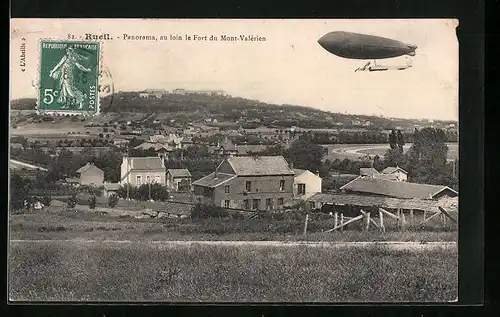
282,184
226,203
248,186
246,202
256,204
148,179
138,180
302,189
269,203
157,179
313,205
280,201
226,189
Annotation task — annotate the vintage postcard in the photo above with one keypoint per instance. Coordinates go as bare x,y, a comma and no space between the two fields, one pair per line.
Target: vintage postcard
212,160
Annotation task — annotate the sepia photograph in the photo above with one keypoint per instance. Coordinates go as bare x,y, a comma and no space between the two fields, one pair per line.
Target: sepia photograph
233,160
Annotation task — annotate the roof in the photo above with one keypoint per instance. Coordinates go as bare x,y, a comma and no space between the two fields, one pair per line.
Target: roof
393,188
392,169
111,186
374,201
179,172
368,171
259,165
298,171
146,163
391,177
87,167
211,181
155,145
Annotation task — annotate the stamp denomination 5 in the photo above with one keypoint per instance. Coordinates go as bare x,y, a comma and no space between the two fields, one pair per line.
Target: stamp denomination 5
69,77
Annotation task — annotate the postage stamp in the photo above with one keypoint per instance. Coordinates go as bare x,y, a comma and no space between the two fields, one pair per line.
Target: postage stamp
69,77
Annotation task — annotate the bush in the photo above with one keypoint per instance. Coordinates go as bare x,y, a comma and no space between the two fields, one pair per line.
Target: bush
112,200
46,199
72,201
202,211
92,202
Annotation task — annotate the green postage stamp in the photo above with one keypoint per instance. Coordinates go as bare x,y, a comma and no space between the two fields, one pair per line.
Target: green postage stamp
69,77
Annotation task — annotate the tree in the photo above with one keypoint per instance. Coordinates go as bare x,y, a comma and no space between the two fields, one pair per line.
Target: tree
394,157
393,140
19,189
112,200
305,155
92,202
428,157
400,140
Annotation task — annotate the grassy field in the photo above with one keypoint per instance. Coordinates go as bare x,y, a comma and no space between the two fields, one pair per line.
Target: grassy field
144,272
88,225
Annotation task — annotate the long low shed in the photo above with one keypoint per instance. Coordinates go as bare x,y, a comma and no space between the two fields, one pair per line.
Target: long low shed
375,201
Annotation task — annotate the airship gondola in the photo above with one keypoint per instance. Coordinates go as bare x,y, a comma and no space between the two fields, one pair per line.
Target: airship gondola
362,46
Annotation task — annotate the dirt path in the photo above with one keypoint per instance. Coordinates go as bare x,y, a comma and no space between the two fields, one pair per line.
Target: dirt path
23,164
396,245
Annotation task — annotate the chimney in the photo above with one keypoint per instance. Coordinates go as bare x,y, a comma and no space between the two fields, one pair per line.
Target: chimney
317,173
290,165
216,172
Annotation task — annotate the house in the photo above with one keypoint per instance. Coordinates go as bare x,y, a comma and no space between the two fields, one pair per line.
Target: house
306,184
401,174
178,179
396,189
161,149
137,171
91,175
368,171
224,148
110,189
245,182
371,172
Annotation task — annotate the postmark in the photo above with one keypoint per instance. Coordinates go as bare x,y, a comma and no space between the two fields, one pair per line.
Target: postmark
69,74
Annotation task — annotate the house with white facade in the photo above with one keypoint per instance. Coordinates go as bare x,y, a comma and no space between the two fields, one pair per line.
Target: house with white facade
137,171
306,184
397,172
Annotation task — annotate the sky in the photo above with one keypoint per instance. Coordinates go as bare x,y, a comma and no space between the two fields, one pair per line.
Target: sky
290,67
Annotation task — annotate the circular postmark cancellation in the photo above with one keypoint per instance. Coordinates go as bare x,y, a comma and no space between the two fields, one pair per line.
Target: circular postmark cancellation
106,89
72,79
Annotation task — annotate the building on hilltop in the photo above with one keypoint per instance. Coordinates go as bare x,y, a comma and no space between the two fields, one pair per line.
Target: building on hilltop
156,93
137,171
91,175
244,182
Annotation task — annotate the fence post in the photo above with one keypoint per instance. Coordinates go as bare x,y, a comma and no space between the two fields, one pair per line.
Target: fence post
335,220
367,221
305,224
381,216
403,220
411,215
341,221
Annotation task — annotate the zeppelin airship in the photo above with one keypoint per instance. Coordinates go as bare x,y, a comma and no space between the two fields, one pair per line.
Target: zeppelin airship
362,46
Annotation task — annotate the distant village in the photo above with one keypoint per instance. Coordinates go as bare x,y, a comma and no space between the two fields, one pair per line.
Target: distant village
245,175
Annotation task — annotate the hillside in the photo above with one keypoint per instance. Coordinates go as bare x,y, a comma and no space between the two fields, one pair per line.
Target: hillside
250,113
